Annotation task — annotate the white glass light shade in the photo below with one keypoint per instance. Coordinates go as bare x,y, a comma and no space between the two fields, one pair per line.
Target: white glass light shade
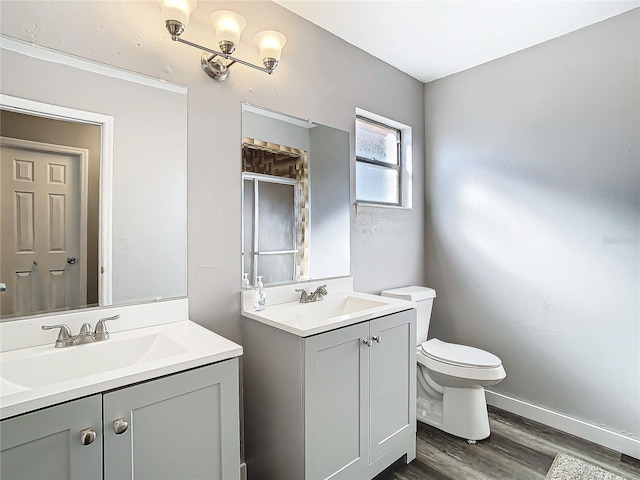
270,44
179,10
228,25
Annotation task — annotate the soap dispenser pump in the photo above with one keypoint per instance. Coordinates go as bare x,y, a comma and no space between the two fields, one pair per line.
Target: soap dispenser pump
260,296
245,281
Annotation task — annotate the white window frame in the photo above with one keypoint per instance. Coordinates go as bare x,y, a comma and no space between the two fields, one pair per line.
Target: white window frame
405,177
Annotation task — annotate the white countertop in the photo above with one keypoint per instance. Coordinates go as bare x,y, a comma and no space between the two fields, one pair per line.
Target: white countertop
334,311
195,346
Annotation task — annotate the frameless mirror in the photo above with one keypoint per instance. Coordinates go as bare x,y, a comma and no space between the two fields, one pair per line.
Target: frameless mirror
295,198
93,209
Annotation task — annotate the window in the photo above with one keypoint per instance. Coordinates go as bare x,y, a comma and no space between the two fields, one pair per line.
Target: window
380,161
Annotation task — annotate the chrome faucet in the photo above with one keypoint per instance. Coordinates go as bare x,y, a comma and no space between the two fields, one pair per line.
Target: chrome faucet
314,297
318,294
86,335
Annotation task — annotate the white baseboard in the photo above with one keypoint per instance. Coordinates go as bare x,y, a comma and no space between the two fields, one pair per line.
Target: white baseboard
593,433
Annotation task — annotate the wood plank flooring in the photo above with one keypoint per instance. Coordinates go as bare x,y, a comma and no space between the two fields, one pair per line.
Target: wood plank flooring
517,449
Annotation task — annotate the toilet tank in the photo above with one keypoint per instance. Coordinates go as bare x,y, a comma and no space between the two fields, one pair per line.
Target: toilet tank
423,296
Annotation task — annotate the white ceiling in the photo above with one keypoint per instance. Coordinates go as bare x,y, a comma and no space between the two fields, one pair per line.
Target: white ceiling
432,39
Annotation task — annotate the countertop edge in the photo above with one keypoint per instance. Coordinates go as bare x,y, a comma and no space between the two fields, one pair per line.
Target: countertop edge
393,306
51,398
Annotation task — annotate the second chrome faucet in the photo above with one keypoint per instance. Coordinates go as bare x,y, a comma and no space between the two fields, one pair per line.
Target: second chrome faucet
314,297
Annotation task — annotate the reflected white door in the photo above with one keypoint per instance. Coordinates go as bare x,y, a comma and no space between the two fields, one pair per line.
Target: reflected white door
43,249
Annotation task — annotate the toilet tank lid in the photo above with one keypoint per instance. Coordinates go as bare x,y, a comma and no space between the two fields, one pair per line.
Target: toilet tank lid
413,293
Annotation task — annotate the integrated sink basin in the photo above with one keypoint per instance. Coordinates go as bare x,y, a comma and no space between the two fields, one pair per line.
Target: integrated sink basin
328,308
41,376
55,365
334,311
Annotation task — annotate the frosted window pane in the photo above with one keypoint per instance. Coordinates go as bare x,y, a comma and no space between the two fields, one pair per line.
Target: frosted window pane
376,184
374,142
276,268
276,217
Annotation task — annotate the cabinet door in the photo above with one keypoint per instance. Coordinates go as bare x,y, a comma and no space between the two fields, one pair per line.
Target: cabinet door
392,381
46,444
181,426
336,387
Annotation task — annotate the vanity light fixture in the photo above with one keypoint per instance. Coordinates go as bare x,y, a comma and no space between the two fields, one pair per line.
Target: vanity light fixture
228,26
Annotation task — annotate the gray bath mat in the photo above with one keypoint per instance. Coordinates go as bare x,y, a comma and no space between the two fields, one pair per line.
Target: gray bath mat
566,467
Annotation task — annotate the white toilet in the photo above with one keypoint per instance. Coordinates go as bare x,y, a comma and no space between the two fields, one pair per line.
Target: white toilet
451,377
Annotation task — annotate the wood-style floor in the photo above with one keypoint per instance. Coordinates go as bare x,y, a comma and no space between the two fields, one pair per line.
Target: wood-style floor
518,449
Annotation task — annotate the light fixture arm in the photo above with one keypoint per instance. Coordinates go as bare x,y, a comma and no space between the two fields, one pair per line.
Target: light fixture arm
226,56
228,26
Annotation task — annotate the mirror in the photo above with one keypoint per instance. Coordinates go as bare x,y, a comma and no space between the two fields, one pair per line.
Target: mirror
295,198
117,234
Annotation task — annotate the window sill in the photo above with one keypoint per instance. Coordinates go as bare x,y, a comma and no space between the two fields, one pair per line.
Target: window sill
380,205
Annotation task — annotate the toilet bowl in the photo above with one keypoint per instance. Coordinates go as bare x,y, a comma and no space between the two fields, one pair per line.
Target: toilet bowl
451,377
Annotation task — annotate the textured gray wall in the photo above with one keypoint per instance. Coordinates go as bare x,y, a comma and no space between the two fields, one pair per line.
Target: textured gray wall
533,219
320,77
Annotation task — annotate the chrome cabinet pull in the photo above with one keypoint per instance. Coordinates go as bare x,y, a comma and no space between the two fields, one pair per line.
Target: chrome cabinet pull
87,436
120,426
377,338
367,342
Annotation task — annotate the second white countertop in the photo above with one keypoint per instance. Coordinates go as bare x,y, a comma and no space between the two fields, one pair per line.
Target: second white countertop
334,311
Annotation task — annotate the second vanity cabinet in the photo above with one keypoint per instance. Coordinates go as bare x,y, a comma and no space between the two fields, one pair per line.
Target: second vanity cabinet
180,426
339,404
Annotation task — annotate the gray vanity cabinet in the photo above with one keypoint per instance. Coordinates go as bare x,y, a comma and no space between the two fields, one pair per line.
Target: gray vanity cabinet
336,380
337,405
46,444
184,425
181,426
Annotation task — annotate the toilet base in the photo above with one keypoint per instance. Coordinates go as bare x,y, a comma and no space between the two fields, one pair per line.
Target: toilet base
460,411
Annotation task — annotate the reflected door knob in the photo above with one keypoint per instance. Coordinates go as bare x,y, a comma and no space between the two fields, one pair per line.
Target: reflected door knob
71,260
87,436
120,426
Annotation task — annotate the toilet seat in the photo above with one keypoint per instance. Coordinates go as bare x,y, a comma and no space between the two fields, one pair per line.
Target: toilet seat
459,355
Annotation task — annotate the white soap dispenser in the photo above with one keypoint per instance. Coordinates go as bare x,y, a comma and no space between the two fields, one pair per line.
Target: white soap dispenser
245,281
260,296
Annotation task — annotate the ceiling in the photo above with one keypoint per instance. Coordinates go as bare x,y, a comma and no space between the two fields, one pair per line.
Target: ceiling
433,39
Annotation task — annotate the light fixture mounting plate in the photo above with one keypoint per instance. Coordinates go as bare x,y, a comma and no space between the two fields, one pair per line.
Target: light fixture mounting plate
214,67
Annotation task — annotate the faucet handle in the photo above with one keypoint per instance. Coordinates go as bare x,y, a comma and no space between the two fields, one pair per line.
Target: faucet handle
101,332
64,335
304,296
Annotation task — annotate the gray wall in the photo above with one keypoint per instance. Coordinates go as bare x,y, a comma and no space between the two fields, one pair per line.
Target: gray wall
533,219
319,77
